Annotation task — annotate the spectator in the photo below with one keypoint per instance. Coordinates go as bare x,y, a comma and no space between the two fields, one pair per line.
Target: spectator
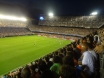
45,73
67,71
77,52
88,61
99,48
26,73
68,60
48,63
56,66
70,54
19,73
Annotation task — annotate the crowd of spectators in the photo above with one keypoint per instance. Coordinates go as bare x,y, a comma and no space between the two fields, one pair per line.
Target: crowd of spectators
73,21
62,30
14,31
9,23
13,28
76,60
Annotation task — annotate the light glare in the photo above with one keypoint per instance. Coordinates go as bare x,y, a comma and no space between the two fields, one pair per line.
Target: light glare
12,18
51,14
94,13
41,18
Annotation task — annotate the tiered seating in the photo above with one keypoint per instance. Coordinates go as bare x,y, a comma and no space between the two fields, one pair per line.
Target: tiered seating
8,23
13,31
13,28
62,30
74,21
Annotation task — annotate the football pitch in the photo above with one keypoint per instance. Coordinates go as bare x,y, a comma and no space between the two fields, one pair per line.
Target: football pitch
21,50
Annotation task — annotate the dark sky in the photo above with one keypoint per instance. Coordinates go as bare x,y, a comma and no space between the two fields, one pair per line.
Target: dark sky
63,7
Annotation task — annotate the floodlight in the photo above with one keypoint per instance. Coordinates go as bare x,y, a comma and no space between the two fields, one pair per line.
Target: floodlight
23,19
94,13
41,18
51,14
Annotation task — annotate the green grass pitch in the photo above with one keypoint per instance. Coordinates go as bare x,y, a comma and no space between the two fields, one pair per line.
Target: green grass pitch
21,50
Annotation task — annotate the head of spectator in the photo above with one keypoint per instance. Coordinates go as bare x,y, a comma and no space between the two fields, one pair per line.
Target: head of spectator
19,73
56,66
48,63
56,53
42,66
90,46
69,53
84,40
56,59
50,57
88,39
40,60
60,51
84,47
8,75
46,59
68,49
76,51
61,56
66,71
74,46
78,46
68,60
36,62
26,73
45,73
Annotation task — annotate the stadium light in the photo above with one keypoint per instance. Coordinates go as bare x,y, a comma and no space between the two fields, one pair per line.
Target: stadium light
12,18
41,18
23,19
94,13
50,14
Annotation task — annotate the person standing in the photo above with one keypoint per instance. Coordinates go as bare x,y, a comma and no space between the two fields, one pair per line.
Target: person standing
88,61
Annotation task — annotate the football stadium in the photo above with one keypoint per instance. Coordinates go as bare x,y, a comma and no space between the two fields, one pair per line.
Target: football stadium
52,46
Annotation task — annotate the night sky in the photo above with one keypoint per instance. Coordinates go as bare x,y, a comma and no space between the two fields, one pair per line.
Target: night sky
63,7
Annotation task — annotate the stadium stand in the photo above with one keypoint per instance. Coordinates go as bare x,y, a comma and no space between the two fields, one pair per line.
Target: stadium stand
13,31
73,21
8,23
62,30
13,28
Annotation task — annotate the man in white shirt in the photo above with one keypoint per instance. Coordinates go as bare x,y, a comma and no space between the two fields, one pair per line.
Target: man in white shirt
88,61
